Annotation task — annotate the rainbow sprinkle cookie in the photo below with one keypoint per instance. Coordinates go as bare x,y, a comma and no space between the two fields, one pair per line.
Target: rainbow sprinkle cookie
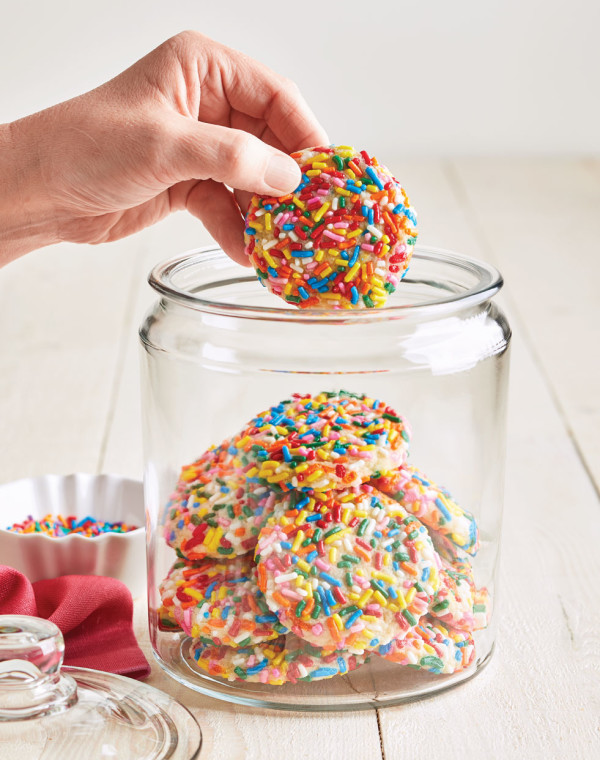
216,510
286,660
219,602
453,601
327,441
432,505
343,239
347,570
433,647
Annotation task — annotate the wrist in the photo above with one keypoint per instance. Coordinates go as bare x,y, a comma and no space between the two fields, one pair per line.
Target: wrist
26,213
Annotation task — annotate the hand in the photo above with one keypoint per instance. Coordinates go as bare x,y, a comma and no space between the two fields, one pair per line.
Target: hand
172,132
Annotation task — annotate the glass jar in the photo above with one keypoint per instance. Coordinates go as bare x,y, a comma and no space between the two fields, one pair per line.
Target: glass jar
218,350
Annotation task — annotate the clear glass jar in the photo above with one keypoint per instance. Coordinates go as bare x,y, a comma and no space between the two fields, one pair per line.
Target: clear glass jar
217,351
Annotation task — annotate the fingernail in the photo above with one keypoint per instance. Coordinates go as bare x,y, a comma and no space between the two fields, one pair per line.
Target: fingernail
282,174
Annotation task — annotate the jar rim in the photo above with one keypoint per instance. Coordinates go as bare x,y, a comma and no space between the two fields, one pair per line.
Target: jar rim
488,282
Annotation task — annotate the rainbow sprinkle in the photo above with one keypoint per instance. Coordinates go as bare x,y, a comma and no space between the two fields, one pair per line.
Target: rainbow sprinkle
343,239
60,526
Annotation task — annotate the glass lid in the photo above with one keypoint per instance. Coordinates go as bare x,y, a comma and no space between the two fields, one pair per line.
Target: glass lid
49,713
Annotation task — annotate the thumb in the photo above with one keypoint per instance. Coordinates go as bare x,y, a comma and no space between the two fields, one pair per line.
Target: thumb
234,157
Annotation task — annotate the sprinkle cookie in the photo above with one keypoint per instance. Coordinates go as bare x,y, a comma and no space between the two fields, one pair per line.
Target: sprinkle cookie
343,239
453,601
219,602
350,569
432,505
216,510
327,441
285,660
433,647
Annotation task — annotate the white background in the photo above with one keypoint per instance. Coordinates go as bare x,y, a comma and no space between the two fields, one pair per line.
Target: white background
429,78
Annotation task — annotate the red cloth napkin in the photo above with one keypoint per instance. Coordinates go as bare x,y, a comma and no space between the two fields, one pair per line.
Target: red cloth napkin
94,614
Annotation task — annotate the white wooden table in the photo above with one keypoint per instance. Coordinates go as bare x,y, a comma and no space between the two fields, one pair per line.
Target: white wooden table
69,402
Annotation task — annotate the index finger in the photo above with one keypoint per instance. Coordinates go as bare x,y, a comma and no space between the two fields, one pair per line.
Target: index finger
254,89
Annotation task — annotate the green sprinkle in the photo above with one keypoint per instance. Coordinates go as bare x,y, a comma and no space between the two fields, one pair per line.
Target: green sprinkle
348,579
391,418
404,434
245,642
479,608
196,520
431,662
351,558
316,611
223,550
333,531
338,162
441,605
317,535
299,607
410,617
363,526
239,672
293,299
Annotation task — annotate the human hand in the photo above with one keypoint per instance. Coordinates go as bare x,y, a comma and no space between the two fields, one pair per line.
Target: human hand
171,132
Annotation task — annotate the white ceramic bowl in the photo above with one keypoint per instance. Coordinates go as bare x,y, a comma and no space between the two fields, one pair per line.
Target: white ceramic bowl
105,497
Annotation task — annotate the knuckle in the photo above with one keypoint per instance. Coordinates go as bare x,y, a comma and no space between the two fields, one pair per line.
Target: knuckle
235,152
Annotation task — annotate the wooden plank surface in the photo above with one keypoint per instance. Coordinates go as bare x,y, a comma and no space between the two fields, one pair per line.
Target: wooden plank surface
69,401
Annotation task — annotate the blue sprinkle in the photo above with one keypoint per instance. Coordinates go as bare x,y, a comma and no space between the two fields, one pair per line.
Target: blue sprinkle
209,590
352,261
303,294
250,231
286,545
323,672
329,578
399,209
272,272
271,618
225,612
225,489
342,667
373,642
373,174
364,211
392,592
324,602
313,518
354,295
305,501
425,574
352,619
257,668
371,216
286,454
313,555
440,505
330,598
288,227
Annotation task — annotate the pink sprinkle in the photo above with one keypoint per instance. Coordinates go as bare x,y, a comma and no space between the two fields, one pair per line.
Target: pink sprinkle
290,593
337,181
264,675
322,565
340,225
333,236
317,629
367,247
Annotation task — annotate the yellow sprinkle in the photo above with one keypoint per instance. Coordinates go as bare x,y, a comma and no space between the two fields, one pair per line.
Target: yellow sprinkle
327,271
341,191
300,519
194,593
313,172
299,536
346,516
287,253
353,234
319,255
303,564
333,554
277,478
288,289
429,649
299,581
384,249
316,164
341,263
321,496
321,212
308,588
315,475
298,203
365,598
222,592
352,272
269,260
372,188
268,222
410,594
384,577
380,598
246,439
336,536
347,497
301,467
338,621
379,292
387,558
251,473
